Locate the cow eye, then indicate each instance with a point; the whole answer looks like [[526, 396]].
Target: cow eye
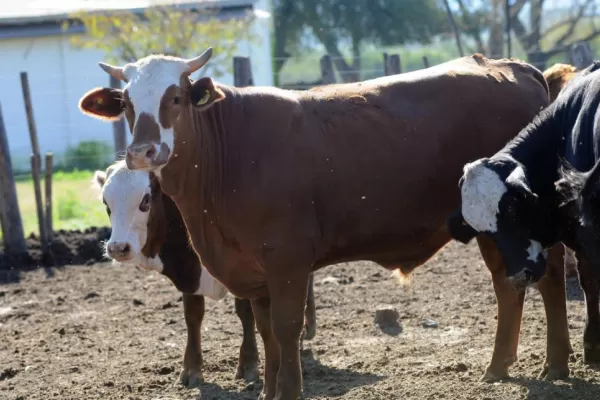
[[107, 207], [176, 100], [145, 203]]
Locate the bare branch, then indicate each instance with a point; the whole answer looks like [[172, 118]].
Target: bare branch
[[582, 8]]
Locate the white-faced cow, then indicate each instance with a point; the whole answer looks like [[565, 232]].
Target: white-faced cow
[[531, 194], [148, 232], [275, 184]]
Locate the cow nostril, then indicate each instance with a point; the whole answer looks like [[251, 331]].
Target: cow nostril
[[151, 152], [126, 248]]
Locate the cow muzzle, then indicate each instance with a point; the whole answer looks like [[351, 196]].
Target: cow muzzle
[[119, 251], [146, 156]]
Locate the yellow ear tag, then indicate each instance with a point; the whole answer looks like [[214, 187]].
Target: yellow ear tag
[[99, 100], [204, 98]]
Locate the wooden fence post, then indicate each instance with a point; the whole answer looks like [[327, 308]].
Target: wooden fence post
[[242, 72], [48, 189], [327, 72], [391, 64], [119, 132], [35, 161], [581, 55], [425, 61], [10, 216]]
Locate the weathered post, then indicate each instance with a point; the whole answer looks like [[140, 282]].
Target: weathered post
[[391, 64], [10, 216], [119, 132], [581, 55], [35, 161], [48, 189], [242, 72], [327, 72], [425, 61]]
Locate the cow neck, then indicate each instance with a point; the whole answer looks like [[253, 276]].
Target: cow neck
[[537, 148], [194, 178]]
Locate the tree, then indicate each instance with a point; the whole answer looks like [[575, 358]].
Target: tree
[[562, 33], [127, 36], [341, 23], [538, 40]]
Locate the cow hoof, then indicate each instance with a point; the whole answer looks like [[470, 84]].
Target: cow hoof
[[591, 353], [310, 330], [248, 372], [550, 373], [191, 379], [490, 376]]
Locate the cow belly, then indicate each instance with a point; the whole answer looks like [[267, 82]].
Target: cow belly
[[244, 279]]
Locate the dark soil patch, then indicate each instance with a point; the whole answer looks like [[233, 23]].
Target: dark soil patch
[[67, 248]]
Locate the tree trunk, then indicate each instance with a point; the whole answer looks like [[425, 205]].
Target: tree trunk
[[496, 39]]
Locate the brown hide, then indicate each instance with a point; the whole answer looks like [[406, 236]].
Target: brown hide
[[269, 180], [557, 77]]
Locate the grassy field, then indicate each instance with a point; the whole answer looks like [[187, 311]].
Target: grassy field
[[76, 204]]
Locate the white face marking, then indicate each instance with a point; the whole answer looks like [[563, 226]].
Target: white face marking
[[210, 287], [481, 192], [148, 79], [123, 191], [534, 250]]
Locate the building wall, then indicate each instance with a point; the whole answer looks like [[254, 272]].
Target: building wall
[[59, 75]]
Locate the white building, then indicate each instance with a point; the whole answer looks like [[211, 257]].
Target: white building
[[31, 40]]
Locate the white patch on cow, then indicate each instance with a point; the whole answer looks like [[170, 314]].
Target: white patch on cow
[[123, 191], [481, 191], [148, 79], [535, 249], [210, 287]]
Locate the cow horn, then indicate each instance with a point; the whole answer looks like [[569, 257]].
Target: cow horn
[[115, 72], [591, 180], [195, 64]]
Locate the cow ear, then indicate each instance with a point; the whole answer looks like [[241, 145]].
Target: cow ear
[[204, 93], [103, 103], [459, 229], [99, 178], [518, 181]]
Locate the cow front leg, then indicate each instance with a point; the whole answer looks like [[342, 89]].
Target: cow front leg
[[509, 312], [193, 309], [552, 289], [588, 280], [288, 293], [310, 315], [262, 315], [248, 360]]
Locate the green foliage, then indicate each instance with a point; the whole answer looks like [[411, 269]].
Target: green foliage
[[88, 155], [126, 36], [339, 24], [68, 206]]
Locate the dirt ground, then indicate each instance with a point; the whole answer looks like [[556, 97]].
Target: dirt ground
[[106, 332]]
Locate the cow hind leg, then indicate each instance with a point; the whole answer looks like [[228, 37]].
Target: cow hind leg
[[248, 360], [509, 312], [552, 289], [193, 308], [262, 314], [310, 315], [588, 280]]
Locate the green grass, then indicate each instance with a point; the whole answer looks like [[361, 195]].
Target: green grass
[[76, 204]]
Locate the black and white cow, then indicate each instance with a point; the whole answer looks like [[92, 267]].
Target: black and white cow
[[531, 194], [148, 232]]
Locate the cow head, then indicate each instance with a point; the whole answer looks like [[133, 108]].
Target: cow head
[[157, 93], [579, 193], [133, 203], [497, 201]]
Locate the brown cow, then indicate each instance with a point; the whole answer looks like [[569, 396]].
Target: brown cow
[[275, 184], [148, 231]]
